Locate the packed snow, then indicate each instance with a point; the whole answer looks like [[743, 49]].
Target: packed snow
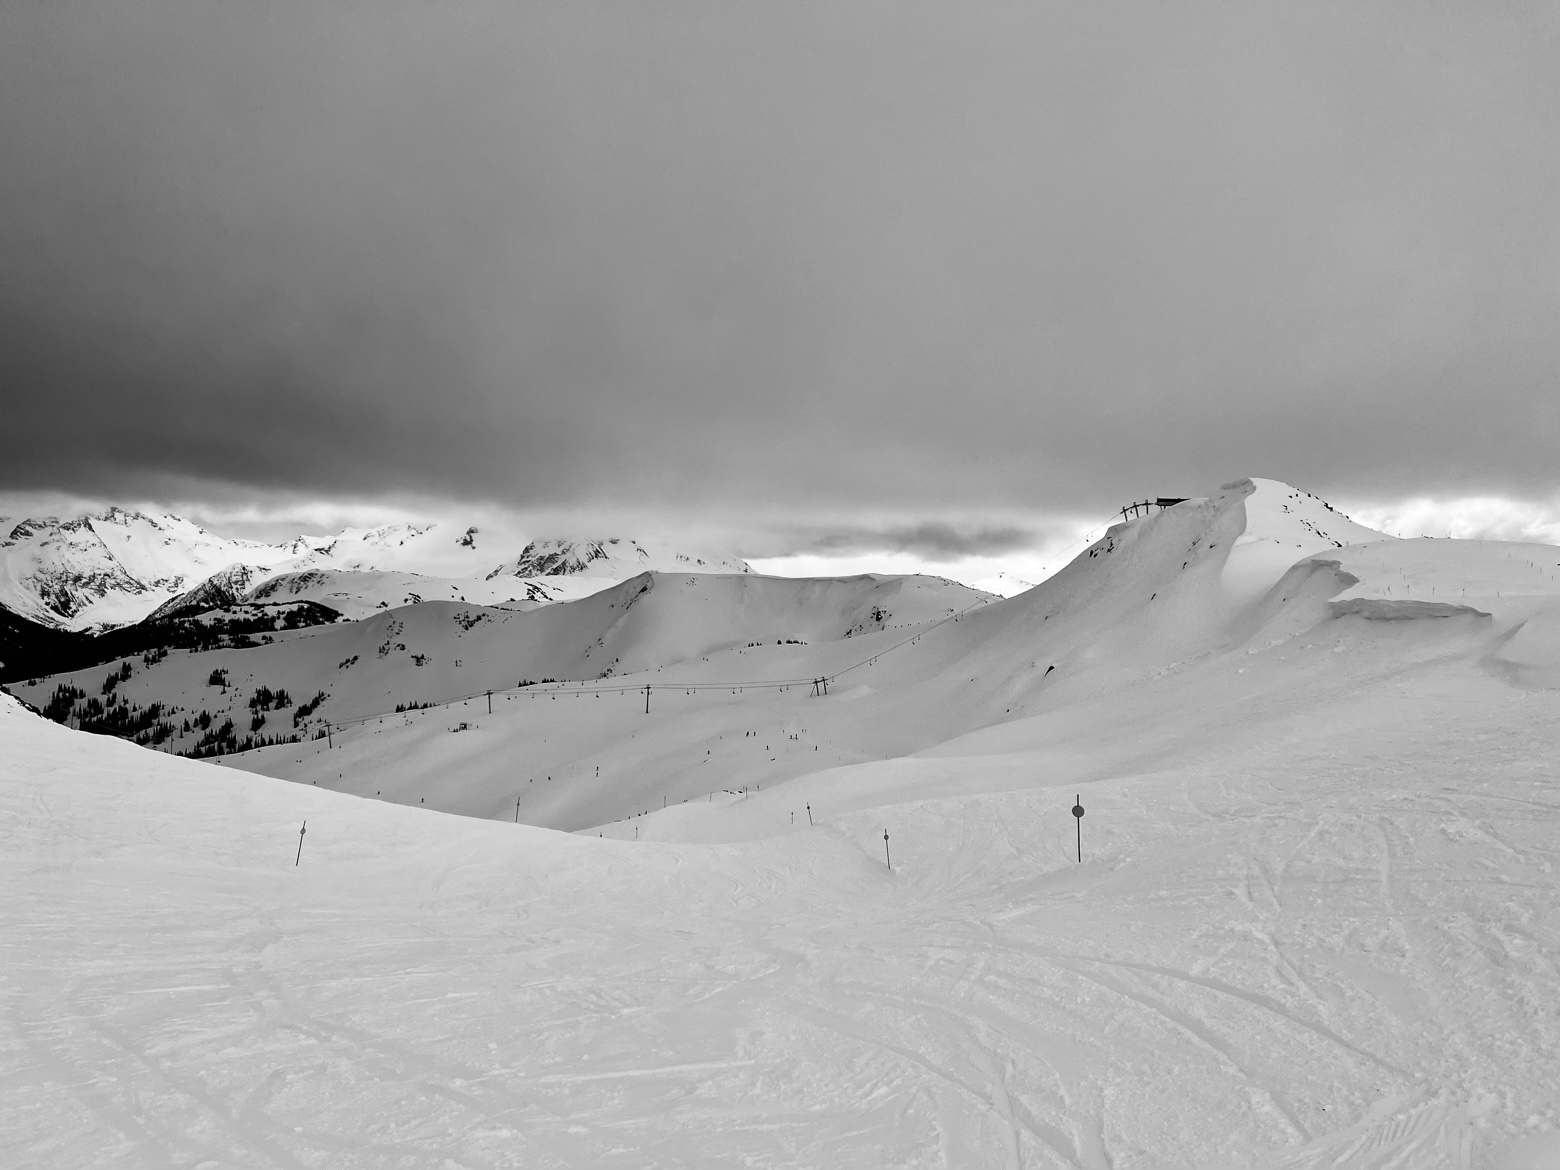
[[1314, 925]]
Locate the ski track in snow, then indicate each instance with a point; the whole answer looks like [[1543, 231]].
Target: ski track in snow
[[787, 1003]]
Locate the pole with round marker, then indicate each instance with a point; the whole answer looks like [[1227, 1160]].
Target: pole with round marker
[[886, 856], [301, 832], [1077, 812]]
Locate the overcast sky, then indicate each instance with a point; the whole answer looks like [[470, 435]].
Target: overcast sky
[[868, 276]]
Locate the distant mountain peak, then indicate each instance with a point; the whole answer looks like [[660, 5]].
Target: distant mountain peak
[[223, 588], [614, 556], [118, 565]]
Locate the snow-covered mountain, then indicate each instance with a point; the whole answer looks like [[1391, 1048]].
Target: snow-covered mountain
[[223, 588], [428, 652], [360, 592], [110, 568], [615, 558], [1308, 923]]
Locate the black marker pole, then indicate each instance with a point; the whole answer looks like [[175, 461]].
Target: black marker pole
[[1077, 811], [809, 812], [301, 832], [886, 856]]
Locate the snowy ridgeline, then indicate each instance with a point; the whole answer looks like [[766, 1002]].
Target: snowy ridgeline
[[1314, 924], [117, 567], [242, 676]]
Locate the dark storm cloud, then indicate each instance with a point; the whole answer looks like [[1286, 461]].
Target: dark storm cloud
[[821, 254], [933, 540]]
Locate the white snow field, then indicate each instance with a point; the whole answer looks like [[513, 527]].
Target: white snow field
[[1316, 923]]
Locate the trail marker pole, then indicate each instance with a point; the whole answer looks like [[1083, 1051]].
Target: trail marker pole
[[1077, 812], [647, 698], [886, 856], [517, 810], [809, 813], [490, 702], [329, 742], [301, 832]]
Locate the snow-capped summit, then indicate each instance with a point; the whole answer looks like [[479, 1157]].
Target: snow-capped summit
[[114, 567], [111, 567], [223, 588], [615, 557]]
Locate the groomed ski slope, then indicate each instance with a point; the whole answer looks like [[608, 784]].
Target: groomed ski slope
[[1316, 923]]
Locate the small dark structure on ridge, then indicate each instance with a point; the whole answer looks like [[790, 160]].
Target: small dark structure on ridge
[[1142, 507]]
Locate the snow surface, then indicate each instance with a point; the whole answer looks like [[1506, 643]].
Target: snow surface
[[1316, 922]]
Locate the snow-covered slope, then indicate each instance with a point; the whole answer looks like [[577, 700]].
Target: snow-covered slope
[[1137, 618], [359, 593], [116, 567], [436, 650], [1313, 926]]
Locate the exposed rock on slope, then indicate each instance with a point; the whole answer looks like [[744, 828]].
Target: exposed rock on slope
[[224, 588], [614, 557], [117, 567]]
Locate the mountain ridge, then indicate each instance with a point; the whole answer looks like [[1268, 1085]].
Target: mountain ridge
[[117, 566]]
